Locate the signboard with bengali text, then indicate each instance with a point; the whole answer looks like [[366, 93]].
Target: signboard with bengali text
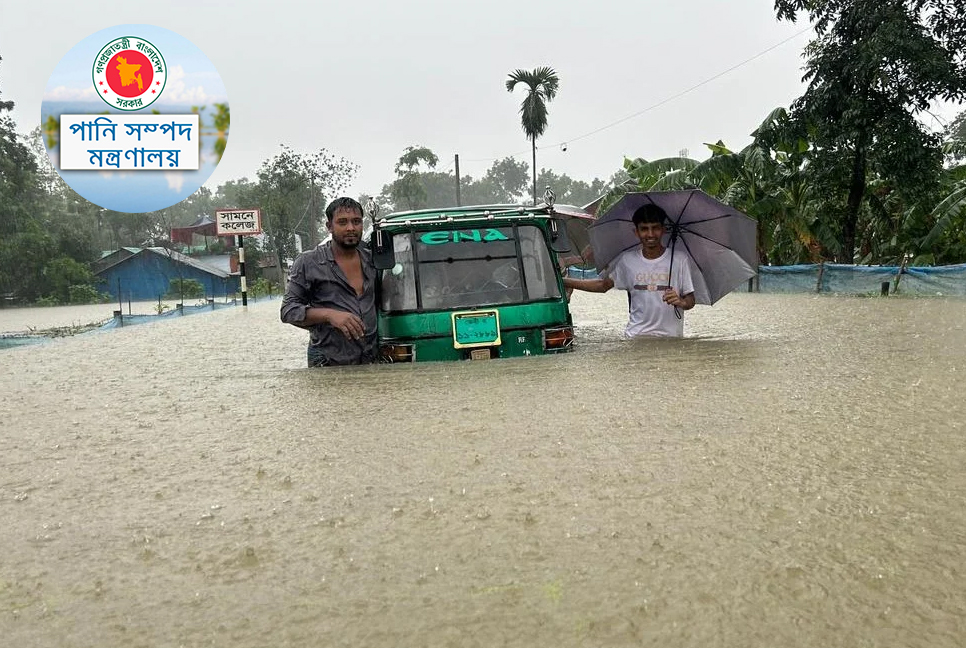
[[129, 142], [238, 222]]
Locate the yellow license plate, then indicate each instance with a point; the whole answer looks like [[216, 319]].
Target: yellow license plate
[[476, 329]]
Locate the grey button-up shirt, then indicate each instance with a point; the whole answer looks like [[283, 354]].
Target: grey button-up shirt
[[316, 281]]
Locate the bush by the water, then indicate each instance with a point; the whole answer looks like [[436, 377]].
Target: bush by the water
[[86, 294], [77, 295], [263, 287], [186, 288]]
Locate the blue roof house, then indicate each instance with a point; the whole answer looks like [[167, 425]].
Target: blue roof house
[[142, 274]]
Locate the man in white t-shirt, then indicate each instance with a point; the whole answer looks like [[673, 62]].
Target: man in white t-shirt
[[656, 298]]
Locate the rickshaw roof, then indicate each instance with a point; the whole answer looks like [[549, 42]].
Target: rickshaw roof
[[472, 212]]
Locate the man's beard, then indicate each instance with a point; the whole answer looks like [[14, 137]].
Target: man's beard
[[347, 246]]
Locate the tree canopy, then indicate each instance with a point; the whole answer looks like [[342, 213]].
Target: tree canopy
[[874, 67]]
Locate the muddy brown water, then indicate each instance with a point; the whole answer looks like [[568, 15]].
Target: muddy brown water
[[790, 474]]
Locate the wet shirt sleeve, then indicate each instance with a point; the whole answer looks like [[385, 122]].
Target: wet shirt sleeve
[[617, 273], [315, 281], [297, 294]]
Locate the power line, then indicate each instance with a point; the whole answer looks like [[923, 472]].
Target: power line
[[663, 101]]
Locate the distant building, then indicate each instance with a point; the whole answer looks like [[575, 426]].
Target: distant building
[[111, 257], [198, 233], [142, 274]]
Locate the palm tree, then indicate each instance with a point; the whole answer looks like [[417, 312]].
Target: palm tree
[[543, 84]]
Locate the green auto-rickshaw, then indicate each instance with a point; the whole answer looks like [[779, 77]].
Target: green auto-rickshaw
[[471, 283]]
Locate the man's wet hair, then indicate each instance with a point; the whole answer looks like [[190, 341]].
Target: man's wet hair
[[649, 213], [342, 203]]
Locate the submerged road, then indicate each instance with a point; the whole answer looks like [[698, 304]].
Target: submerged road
[[791, 474]]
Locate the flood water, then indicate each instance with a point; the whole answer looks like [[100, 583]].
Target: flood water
[[791, 474]]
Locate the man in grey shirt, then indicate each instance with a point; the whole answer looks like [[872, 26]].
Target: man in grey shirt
[[331, 292]]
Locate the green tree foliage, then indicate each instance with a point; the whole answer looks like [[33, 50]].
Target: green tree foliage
[[438, 189], [40, 220], [570, 191], [222, 118], [646, 175], [777, 179], [874, 66], [51, 130], [769, 180], [408, 189], [945, 242], [291, 191], [507, 179], [64, 274], [201, 203], [236, 194], [86, 294], [222, 121], [505, 182], [50, 236], [414, 156], [264, 288], [20, 191], [197, 110], [955, 144], [128, 230], [542, 84]]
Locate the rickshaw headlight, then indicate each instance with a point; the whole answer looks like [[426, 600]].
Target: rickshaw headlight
[[558, 338], [393, 352]]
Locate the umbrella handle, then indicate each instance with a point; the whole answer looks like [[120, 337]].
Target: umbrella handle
[[670, 266]]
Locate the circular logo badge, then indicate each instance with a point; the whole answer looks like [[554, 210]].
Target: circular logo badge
[[129, 73], [164, 127]]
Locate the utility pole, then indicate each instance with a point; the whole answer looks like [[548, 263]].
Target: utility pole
[[241, 269], [313, 221], [458, 201]]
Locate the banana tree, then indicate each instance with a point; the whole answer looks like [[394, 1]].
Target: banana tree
[[770, 180], [744, 180], [664, 174], [946, 239]]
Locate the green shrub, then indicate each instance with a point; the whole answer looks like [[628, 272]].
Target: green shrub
[[85, 294], [187, 288], [62, 274], [263, 287]]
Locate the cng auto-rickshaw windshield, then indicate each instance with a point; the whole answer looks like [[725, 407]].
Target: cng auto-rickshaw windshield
[[465, 268]]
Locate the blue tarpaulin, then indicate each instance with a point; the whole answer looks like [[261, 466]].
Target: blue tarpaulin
[[843, 279]]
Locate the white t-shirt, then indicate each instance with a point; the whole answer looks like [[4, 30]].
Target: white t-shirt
[[645, 280]]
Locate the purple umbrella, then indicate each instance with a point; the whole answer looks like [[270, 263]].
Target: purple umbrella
[[577, 221], [719, 240]]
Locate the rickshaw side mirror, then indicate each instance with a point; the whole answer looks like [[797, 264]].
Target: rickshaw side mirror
[[559, 240], [383, 253]]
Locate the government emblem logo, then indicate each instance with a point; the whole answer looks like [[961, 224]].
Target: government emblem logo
[[129, 73]]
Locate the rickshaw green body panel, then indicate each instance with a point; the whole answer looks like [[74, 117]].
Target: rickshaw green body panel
[[521, 328], [440, 266]]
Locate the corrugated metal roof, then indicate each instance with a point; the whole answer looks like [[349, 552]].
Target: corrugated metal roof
[[187, 260], [107, 253], [218, 261], [174, 256]]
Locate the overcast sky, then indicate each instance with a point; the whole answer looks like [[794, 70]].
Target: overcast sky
[[366, 79]]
